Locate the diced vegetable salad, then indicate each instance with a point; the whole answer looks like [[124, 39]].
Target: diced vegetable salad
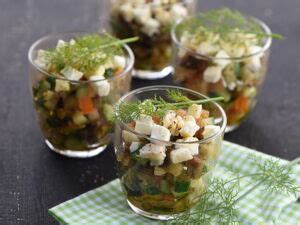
[[221, 53], [163, 167], [75, 85], [151, 22]]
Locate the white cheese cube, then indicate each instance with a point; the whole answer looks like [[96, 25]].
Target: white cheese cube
[[194, 148], [195, 111], [60, 44], [100, 71], [189, 118], [129, 137], [173, 122], [144, 125], [62, 85], [210, 130], [164, 17], [102, 86], [178, 11], [212, 74], [222, 61], [134, 146], [120, 61], [155, 153], [71, 73], [206, 48], [160, 133], [189, 129], [180, 155], [151, 27], [127, 11], [142, 13]]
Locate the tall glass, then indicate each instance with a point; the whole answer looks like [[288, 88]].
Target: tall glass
[[151, 22], [66, 129], [164, 191], [239, 83]]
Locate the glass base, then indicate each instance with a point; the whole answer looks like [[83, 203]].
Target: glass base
[[77, 153], [230, 128], [150, 215], [153, 75]]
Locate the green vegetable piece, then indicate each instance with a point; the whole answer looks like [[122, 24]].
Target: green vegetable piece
[[152, 190], [44, 86], [182, 186], [51, 81], [74, 143], [237, 69], [109, 72], [82, 91], [165, 187], [109, 112]]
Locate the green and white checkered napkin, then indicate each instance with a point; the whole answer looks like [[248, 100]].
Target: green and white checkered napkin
[[107, 205]]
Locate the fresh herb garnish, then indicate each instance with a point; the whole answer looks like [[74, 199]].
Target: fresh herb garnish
[[224, 22], [87, 52], [217, 205], [130, 111]]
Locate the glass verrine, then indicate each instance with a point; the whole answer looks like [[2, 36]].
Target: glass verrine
[[74, 109], [151, 21], [235, 70], [163, 178]]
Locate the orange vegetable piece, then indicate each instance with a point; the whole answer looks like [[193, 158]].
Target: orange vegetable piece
[[241, 104], [86, 104]]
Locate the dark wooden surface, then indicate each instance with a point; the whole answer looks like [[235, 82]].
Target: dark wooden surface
[[33, 179]]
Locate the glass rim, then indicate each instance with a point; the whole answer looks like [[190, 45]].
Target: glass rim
[[265, 47], [168, 143], [32, 48]]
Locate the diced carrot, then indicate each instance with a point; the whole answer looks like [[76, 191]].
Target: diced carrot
[[241, 104], [85, 104], [156, 119], [118, 70]]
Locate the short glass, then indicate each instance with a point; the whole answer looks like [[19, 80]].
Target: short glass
[[151, 23], [67, 132], [177, 190], [240, 96]]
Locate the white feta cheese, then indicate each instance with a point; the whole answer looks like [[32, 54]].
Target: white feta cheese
[[180, 155], [134, 146], [164, 17], [212, 74], [189, 118], [144, 125], [102, 86], [120, 61], [178, 11], [234, 50], [60, 44], [195, 111], [71, 73], [173, 122], [62, 85], [129, 137], [155, 153], [221, 59], [160, 133], [127, 11], [151, 27], [254, 61], [194, 148], [189, 129], [206, 48], [210, 130], [72, 42], [142, 13]]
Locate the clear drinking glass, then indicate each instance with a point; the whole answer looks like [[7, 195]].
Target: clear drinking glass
[[239, 84], [176, 189], [66, 130], [151, 22]]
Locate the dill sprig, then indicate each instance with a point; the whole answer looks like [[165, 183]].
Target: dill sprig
[[224, 22], [87, 53], [129, 111], [218, 204]]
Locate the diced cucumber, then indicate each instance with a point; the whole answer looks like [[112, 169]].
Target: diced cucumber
[[79, 119], [237, 69], [151, 190], [165, 187], [182, 186], [249, 92], [51, 81], [108, 112]]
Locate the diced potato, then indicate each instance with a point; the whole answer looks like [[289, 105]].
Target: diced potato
[[129, 137], [222, 61], [102, 86], [210, 130], [178, 11], [71, 73], [180, 155], [159, 171], [156, 153], [175, 169], [79, 119], [189, 129], [62, 85], [194, 148], [212, 74], [120, 61], [206, 48], [160, 133], [173, 122], [144, 125], [195, 110]]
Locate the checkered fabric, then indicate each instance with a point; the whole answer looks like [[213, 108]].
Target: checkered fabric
[[107, 205]]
